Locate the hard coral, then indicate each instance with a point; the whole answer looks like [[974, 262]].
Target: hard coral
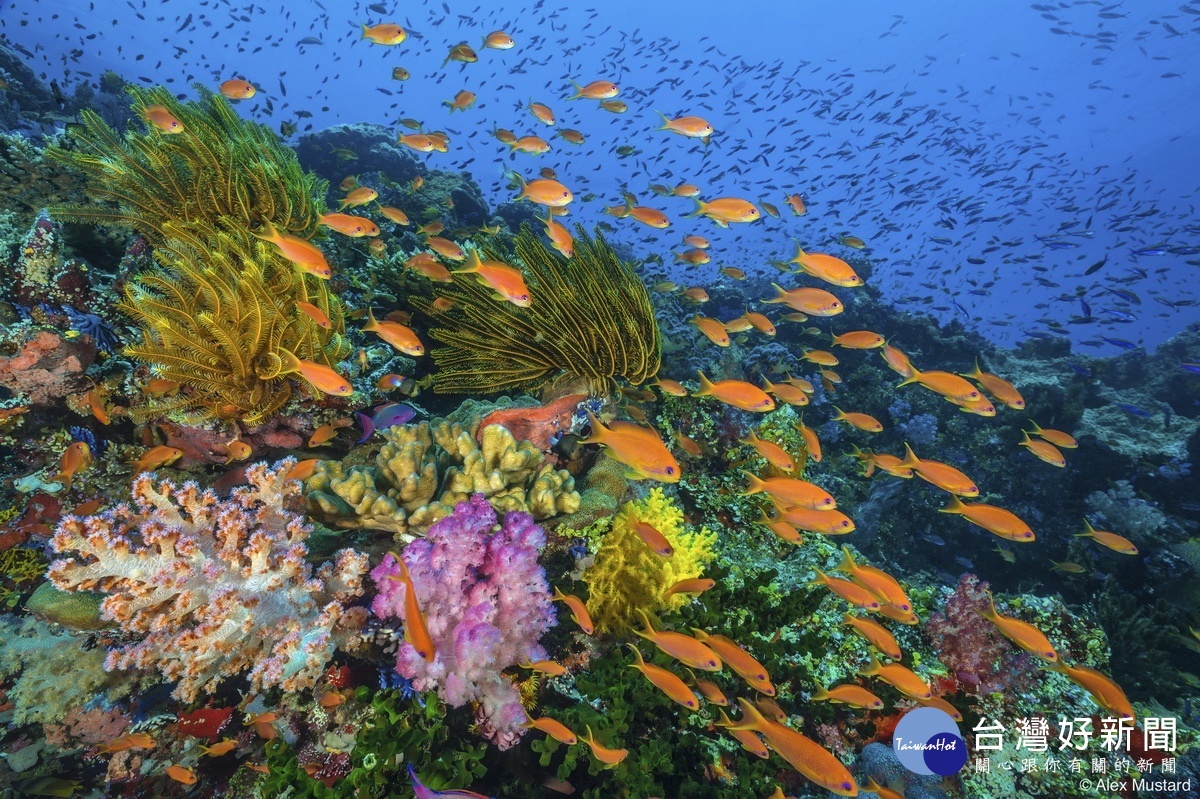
[[486, 603], [42, 272], [209, 588], [423, 470], [628, 576]]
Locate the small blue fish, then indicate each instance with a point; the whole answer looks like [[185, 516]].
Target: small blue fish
[[1133, 409], [1119, 342], [1194, 368], [424, 792]]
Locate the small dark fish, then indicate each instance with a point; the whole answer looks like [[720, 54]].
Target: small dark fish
[[934, 538], [1119, 342], [1079, 369], [1194, 368], [310, 40], [1096, 267]]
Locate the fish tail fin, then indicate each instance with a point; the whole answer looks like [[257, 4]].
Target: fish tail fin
[[266, 231], [723, 720], [1037, 430], [665, 121], [365, 30], [840, 414], [954, 506], [706, 386], [578, 91], [752, 719], [974, 374], [637, 653], [820, 579], [911, 460], [821, 695], [1088, 530], [756, 486], [559, 596], [291, 363], [780, 294], [872, 668], [697, 210], [372, 323], [989, 612], [912, 378], [699, 634], [847, 565]]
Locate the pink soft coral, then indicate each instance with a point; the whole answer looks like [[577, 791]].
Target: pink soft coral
[[486, 603], [982, 659]]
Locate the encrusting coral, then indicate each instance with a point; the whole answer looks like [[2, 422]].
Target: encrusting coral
[[486, 604], [628, 576], [590, 317], [206, 588], [424, 470]]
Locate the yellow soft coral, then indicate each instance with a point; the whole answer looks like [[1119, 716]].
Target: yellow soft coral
[[627, 576]]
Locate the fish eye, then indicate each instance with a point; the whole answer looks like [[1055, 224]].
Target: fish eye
[[670, 470]]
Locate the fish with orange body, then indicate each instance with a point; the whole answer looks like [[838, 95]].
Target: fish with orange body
[[386, 33], [748, 739], [316, 374], [611, 758], [238, 89], [826, 522], [640, 449], [738, 393], [771, 452], [854, 594], [849, 694], [738, 659], [664, 680], [349, 224], [877, 581], [861, 421], [899, 677], [690, 585], [791, 492], [811, 301], [132, 740], [939, 474], [684, 648], [182, 774], [1102, 688], [1021, 633], [156, 457], [1117, 543], [948, 385], [876, 635], [579, 611], [998, 387], [829, 268], [301, 252], [1044, 450], [997, 521], [713, 330], [726, 210], [75, 458], [693, 127], [555, 729], [416, 631], [803, 754], [162, 119], [1056, 437]]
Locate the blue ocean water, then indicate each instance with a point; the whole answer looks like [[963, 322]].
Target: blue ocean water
[[1025, 168]]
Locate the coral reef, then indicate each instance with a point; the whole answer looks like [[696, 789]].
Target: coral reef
[[43, 366], [628, 576], [486, 604], [590, 320], [209, 588], [422, 471], [42, 273]]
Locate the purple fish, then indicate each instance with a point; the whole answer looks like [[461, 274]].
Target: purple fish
[[424, 792], [386, 415]]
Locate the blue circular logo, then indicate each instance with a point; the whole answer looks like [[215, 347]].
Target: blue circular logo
[[927, 741]]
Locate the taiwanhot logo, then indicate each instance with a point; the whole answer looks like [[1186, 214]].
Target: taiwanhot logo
[[927, 741]]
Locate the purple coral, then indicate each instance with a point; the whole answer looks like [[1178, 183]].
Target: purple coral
[[486, 603], [983, 660]]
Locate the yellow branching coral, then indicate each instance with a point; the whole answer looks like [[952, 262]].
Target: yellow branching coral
[[220, 167], [627, 575], [590, 318], [215, 316]]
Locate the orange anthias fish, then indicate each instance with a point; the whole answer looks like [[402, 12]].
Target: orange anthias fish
[[644, 454], [999, 521], [360, 196], [349, 225], [314, 313], [684, 648], [738, 659], [1117, 543], [811, 442], [876, 634], [853, 695], [394, 214], [652, 538], [1044, 450], [225, 746], [789, 492], [877, 581], [560, 237], [155, 457], [861, 421], [133, 740], [948, 385], [505, 280], [546, 192], [826, 522], [399, 336], [301, 252], [550, 667], [417, 141], [1021, 633], [238, 89], [1056, 437], [897, 361], [665, 681], [386, 33], [430, 267], [596, 90], [738, 393], [899, 677], [555, 729], [499, 40], [303, 469], [416, 632], [830, 268], [771, 452], [944, 477], [318, 375], [1106, 692], [238, 451], [693, 127], [76, 458], [579, 611], [803, 754], [815, 302], [713, 330], [854, 594], [651, 217], [542, 112], [691, 585], [725, 210], [998, 387], [182, 774], [749, 740], [163, 120], [797, 204], [859, 340], [611, 758]]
